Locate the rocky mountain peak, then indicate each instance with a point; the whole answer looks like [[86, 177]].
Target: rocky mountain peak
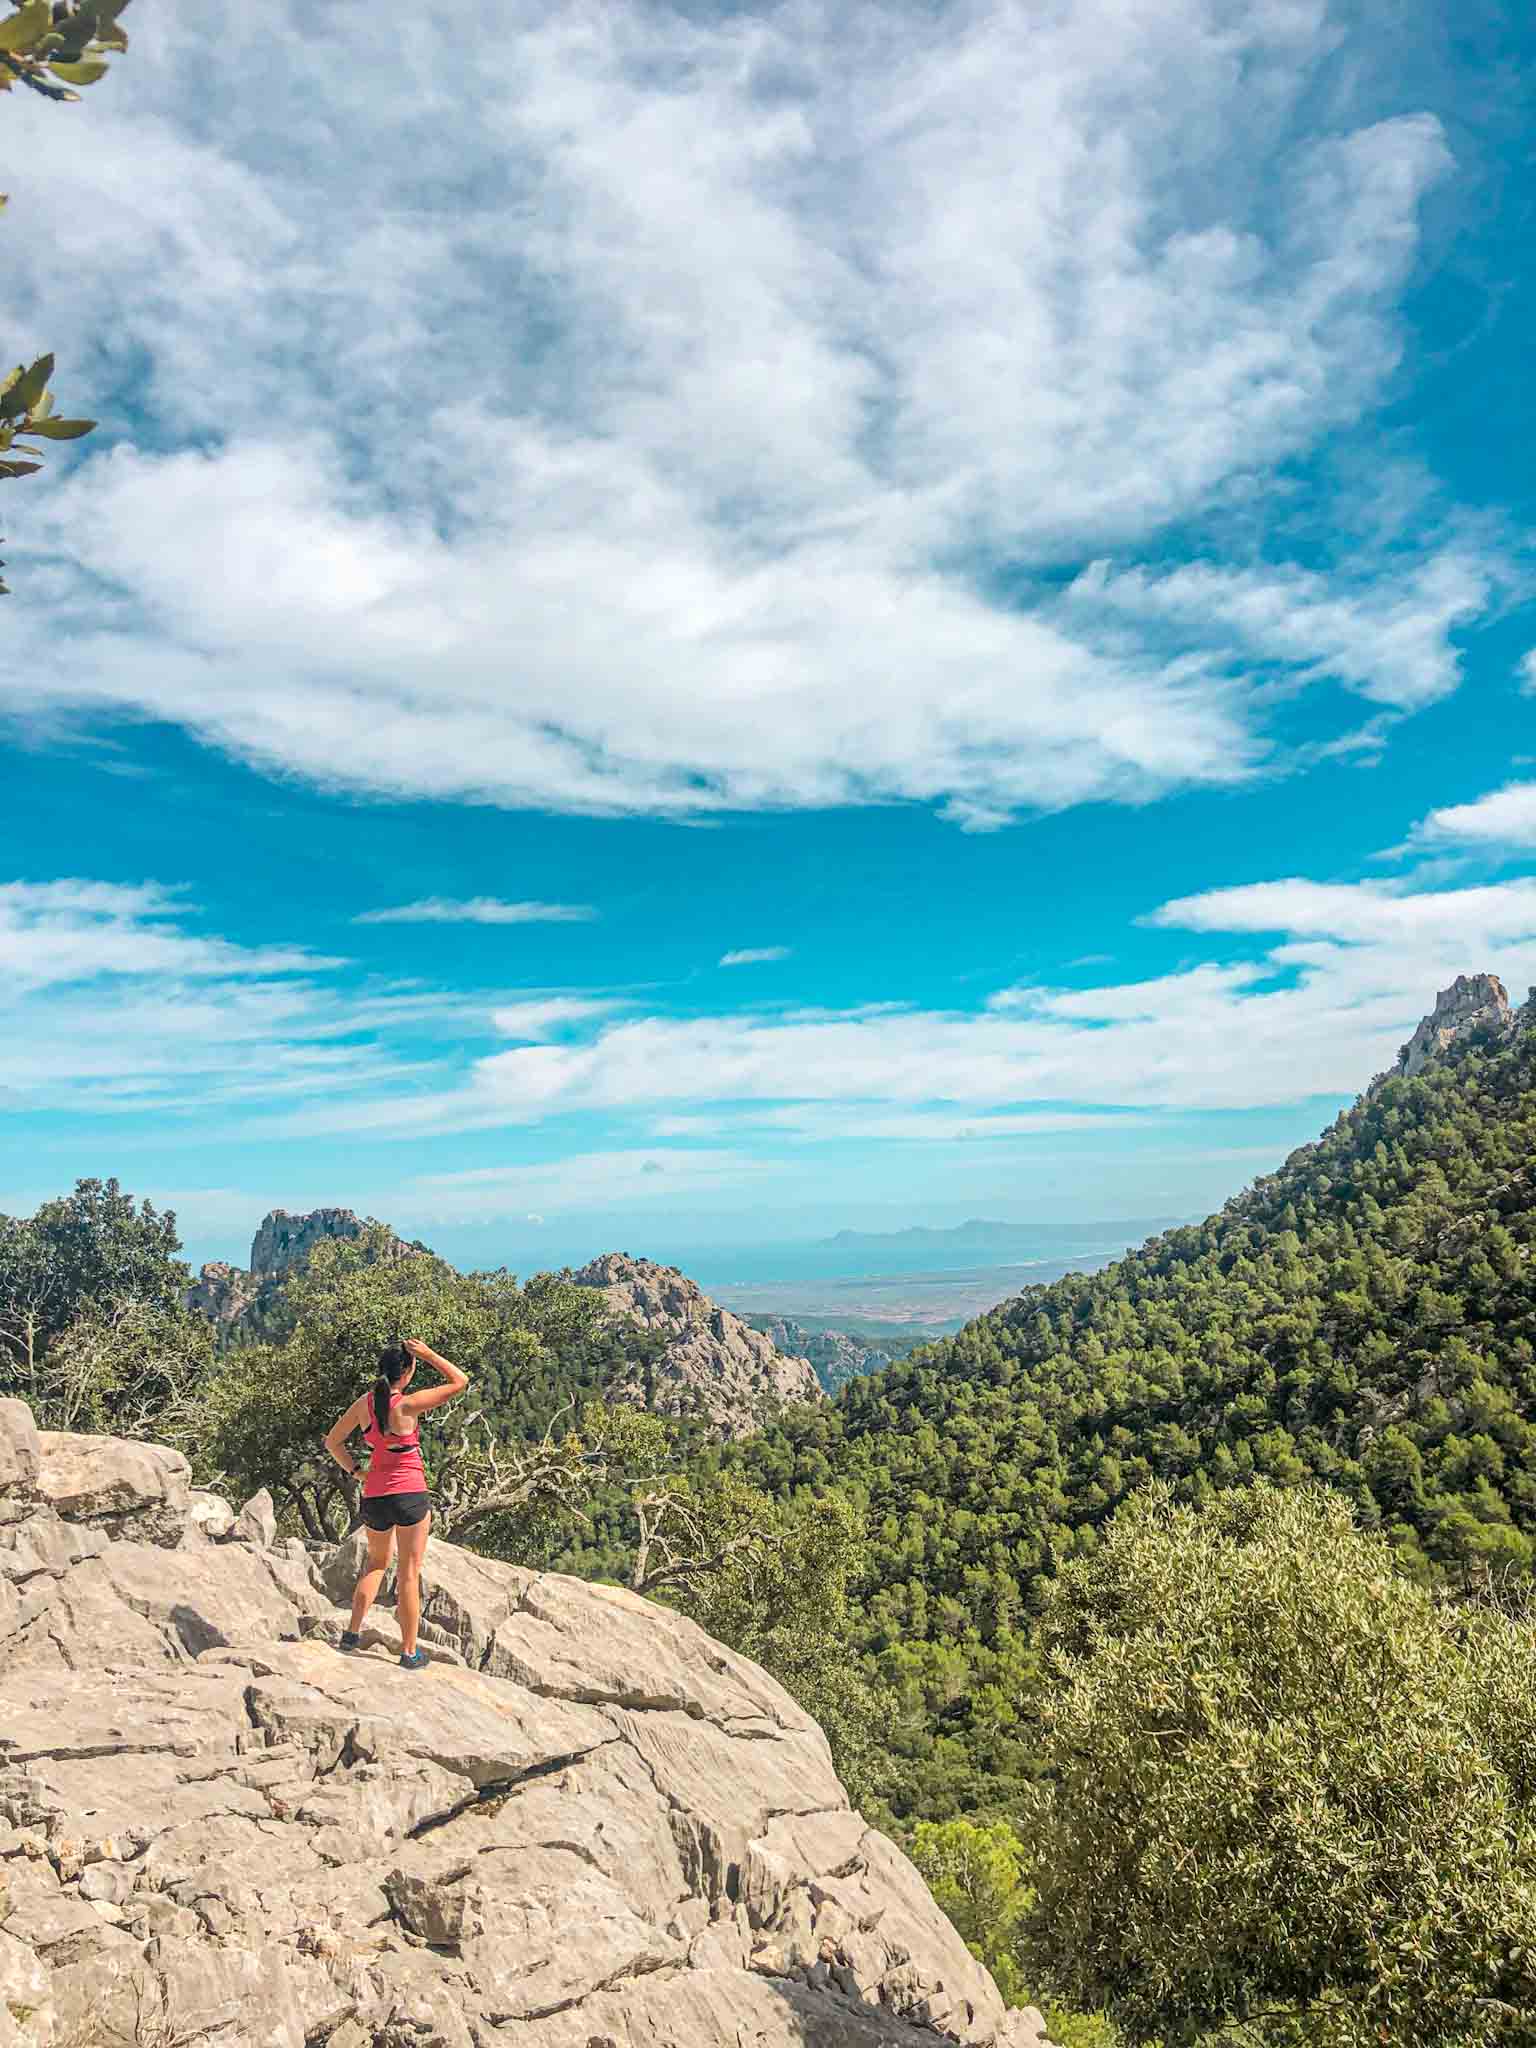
[[1472, 1002], [585, 1822], [284, 1239], [714, 1363]]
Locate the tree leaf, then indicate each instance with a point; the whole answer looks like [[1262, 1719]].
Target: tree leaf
[[59, 430], [85, 73], [23, 28], [18, 468], [25, 389]]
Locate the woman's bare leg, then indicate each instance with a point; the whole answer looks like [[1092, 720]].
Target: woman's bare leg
[[412, 1548], [381, 1545]]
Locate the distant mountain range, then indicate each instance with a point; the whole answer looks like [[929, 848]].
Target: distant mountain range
[[980, 1234]]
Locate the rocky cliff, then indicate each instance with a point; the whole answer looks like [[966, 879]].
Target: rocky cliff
[[714, 1363], [1473, 1002], [836, 1356], [586, 1825], [229, 1294]]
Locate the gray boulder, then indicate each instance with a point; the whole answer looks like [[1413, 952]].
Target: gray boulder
[[125, 1489], [210, 1515], [256, 1522], [585, 1823]]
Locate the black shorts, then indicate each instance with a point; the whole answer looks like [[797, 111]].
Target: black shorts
[[395, 1510]]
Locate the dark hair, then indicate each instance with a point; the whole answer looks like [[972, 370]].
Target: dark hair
[[394, 1362]]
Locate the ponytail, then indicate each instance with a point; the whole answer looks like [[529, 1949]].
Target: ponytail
[[394, 1361]]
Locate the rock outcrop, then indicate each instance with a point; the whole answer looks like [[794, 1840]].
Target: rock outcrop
[[586, 1825], [836, 1356], [1473, 1002], [714, 1364], [223, 1293], [229, 1295], [284, 1240]]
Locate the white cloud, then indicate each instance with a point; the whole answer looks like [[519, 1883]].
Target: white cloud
[[1317, 1013], [110, 1004], [57, 933], [753, 956], [1527, 670], [1363, 913], [581, 1180], [823, 1123], [1388, 640], [544, 1017], [478, 910], [1314, 988], [646, 449], [1504, 820]]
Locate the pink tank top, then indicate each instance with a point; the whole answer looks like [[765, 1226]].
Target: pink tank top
[[394, 1464]]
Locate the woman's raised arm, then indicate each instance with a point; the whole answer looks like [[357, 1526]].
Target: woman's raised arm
[[454, 1381]]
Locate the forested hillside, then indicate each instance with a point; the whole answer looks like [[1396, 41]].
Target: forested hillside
[[1365, 1316]]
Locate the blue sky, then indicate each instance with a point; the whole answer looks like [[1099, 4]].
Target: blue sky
[[1017, 521]]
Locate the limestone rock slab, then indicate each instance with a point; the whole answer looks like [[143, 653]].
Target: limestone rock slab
[[107, 1483], [585, 1823]]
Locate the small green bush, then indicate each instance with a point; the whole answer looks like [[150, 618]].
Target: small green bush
[[1289, 1794], [975, 1871]]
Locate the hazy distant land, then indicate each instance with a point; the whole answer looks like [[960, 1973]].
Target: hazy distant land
[[914, 1283]]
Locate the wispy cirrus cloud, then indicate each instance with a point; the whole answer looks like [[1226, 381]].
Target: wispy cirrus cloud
[[753, 956], [734, 356], [648, 1175], [544, 1017], [112, 1002], [1388, 638], [478, 910], [61, 932], [296, 1046]]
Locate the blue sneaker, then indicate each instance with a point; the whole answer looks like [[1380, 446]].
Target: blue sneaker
[[418, 1660], [350, 1640]]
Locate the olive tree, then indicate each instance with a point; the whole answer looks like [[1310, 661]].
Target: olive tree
[[1288, 1795], [91, 1295], [123, 1367], [775, 1580]]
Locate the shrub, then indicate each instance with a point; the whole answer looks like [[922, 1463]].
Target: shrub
[[1288, 1791]]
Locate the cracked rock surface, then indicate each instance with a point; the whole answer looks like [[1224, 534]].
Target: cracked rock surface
[[585, 1825]]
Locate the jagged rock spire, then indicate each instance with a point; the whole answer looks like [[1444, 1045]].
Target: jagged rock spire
[[1471, 1002]]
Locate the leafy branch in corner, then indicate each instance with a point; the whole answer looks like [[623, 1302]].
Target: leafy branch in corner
[[26, 409], [50, 49], [53, 48]]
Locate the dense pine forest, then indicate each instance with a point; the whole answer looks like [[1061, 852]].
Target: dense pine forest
[[1365, 1317]]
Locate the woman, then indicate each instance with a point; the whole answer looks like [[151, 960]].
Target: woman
[[397, 1509]]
